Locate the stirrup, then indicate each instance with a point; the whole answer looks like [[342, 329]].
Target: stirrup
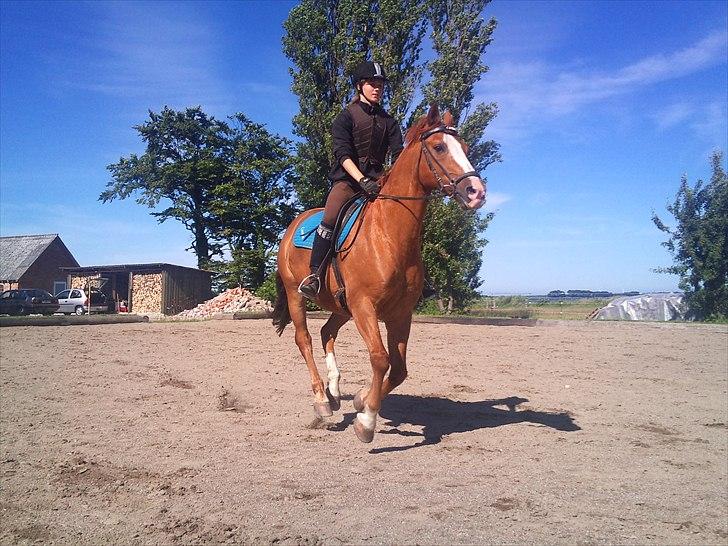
[[310, 286]]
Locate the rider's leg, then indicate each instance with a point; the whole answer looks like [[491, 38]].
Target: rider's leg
[[339, 194]]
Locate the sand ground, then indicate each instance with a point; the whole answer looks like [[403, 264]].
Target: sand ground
[[203, 432]]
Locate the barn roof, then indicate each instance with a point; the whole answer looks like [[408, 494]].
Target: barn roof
[[18, 252]]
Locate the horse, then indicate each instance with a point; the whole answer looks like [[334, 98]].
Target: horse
[[382, 269]]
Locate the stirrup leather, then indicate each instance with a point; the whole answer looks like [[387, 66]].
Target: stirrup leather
[[310, 286]]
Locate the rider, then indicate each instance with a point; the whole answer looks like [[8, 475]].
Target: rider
[[362, 133]]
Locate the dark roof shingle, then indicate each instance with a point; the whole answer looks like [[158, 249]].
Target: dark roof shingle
[[17, 254]]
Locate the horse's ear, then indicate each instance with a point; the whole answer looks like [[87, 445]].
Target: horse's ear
[[433, 116], [447, 119]]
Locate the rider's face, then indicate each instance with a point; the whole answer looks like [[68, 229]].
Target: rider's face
[[372, 90]]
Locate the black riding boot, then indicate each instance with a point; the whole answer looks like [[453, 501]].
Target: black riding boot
[[311, 285]]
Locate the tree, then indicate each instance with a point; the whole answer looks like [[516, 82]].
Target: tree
[[227, 183], [252, 205], [183, 162], [453, 244], [453, 255], [699, 242], [325, 40]]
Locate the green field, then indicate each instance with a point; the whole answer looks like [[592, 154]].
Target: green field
[[523, 307]]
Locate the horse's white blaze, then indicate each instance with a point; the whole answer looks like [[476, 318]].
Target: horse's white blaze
[[457, 153], [334, 374], [368, 418]]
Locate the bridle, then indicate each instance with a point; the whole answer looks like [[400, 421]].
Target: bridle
[[449, 189]]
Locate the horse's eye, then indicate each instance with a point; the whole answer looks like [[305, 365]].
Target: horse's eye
[[439, 148]]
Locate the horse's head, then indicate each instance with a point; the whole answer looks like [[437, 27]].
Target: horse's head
[[446, 167]]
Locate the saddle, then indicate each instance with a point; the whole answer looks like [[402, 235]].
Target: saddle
[[304, 236]]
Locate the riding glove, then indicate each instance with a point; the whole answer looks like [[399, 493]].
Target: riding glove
[[369, 185]]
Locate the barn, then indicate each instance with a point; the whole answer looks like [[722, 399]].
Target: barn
[[146, 288], [34, 261]]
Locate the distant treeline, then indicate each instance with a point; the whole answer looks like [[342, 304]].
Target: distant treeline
[[587, 294]]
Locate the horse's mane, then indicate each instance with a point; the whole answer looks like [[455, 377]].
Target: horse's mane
[[419, 127], [413, 135]]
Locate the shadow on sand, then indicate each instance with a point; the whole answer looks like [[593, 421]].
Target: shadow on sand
[[439, 417]]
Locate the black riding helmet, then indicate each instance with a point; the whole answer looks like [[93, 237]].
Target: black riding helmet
[[366, 71]]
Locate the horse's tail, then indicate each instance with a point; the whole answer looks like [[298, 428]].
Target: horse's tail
[[281, 313]]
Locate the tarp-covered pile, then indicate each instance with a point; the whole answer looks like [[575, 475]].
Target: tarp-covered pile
[[658, 307], [230, 301]]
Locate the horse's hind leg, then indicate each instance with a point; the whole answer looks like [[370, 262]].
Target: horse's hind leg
[[297, 309], [329, 331]]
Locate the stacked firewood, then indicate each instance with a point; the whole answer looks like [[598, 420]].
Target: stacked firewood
[[230, 301], [147, 292]]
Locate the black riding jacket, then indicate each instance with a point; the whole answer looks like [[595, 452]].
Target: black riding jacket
[[364, 133]]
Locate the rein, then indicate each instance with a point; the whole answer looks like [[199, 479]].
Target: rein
[[430, 158]]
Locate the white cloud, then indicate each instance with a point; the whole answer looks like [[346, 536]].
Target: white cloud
[[495, 200], [529, 92], [673, 115]]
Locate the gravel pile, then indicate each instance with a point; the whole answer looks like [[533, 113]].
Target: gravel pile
[[230, 301]]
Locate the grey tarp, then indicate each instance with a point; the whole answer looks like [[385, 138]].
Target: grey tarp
[[663, 307]]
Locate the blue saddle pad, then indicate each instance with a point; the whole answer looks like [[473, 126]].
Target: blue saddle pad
[[303, 238]]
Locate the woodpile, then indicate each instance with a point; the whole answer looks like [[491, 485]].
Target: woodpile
[[230, 301], [146, 293], [81, 281]]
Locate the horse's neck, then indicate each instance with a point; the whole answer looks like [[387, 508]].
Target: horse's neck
[[400, 221]]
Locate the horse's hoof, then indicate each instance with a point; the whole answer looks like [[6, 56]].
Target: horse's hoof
[[359, 400], [334, 401], [322, 409], [364, 434]]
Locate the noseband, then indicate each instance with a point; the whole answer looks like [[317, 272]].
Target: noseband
[[449, 189], [430, 158]]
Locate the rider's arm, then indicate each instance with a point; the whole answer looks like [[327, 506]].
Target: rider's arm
[[394, 135], [351, 168]]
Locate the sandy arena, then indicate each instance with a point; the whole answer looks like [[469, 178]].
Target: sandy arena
[[203, 432]]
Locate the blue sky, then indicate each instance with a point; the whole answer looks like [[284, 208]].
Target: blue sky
[[603, 106]]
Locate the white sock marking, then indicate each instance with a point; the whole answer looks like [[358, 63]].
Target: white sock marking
[[368, 418], [333, 375]]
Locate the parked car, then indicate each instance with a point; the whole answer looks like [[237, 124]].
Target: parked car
[[26, 301], [76, 301]]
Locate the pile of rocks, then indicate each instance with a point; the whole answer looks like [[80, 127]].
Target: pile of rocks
[[230, 301]]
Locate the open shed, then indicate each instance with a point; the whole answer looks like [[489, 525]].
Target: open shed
[[146, 288]]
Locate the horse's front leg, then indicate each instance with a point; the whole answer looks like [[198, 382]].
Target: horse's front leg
[[366, 419], [397, 337], [329, 331]]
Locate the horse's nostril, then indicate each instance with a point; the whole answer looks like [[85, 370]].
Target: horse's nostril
[[472, 190]]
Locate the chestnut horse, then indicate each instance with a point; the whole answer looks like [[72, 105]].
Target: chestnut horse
[[382, 269]]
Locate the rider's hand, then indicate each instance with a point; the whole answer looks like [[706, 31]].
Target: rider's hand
[[369, 185]]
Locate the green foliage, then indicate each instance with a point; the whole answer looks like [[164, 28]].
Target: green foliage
[[252, 206], [451, 252], [699, 243], [227, 183], [325, 40], [182, 164], [453, 243], [267, 289]]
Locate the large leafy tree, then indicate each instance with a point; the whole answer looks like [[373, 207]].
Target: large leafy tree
[[183, 162], [453, 243], [252, 204], [699, 242], [325, 40], [225, 181]]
